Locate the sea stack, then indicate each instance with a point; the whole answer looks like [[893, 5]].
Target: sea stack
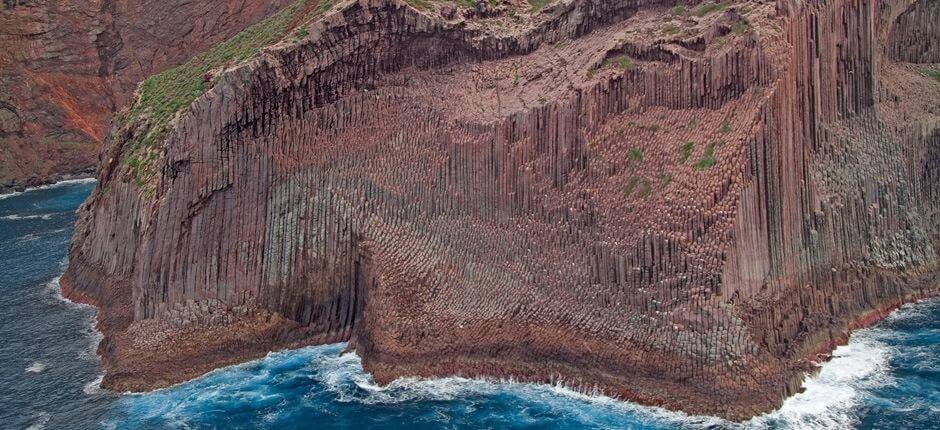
[[685, 204]]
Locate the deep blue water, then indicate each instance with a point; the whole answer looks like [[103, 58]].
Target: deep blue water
[[887, 377]]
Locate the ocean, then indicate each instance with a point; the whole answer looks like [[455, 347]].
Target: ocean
[[887, 377]]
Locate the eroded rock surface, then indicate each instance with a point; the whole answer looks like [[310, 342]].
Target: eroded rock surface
[[684, 208], [66, 66]]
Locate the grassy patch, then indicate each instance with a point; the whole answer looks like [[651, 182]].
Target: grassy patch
[[641, 186], [686, 152], [679, 11], [933, 73], [635, 154], [740, 27], [537, 5], [707, 8], [162, 96], [420, 4], [671, 29], [725, 128], [708, 158], [623, 61]]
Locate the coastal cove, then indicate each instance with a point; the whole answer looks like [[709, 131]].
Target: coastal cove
[[885, 377]]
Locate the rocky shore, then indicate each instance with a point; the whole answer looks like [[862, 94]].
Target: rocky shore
[[686, 205]]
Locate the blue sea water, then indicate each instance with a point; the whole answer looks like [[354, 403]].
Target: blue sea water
[[887, 377]]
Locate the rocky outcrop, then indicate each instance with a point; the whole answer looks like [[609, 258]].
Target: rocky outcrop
[[66, 66], [685, 211]]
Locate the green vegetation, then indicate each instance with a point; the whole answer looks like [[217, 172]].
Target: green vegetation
[[515, 79], [623, 61], [679, 11], [725, 128], [686, 152], [537, 5], [933, 73], [740, 27], [635, 154], [708, 158], [162, 96], [707, 8], [671, 29], [420, 4], [641, 185]]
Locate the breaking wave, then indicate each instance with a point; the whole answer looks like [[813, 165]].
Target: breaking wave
[[40, 421], [324, 384], [48, 186], [832, 398], [90, 332], [36, 367], [15, 217]]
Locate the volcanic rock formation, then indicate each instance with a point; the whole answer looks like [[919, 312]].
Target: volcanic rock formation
[[683, 204], [65, 66]]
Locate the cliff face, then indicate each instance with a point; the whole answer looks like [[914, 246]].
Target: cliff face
[[66, 66], [680, 207]]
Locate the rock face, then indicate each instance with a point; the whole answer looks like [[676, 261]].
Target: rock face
[[66, 66], [680, 207]]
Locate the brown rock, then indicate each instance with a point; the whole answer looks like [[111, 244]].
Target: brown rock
[[680, 219]]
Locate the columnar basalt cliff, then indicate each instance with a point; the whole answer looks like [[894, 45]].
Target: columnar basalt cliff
[[684, 206], [65, 66]]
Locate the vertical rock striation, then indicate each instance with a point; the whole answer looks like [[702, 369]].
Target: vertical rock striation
[[687, 217]]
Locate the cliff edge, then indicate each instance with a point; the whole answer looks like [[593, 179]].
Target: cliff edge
[[684, 204], [66, 66]]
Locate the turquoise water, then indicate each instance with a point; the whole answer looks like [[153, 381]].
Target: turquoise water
[[887, 377]]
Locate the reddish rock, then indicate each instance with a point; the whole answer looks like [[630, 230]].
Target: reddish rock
[[684, 217], [66, 66]]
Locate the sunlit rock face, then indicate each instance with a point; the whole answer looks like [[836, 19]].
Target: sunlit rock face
[[685, 213], [67, 65]]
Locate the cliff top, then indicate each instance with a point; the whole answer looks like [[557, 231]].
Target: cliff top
[[689, 31]]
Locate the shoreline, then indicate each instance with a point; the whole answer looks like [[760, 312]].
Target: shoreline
[[867, 320], [125, 378], [8, 190]]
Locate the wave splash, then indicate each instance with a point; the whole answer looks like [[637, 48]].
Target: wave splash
[[61, 183], [16, 217], [36, 367], [832, 397], [326, 385]]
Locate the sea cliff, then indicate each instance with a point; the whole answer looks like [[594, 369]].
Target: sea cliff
[[683, 205]]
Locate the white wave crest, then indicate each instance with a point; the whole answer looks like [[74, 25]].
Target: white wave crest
[[94, 337], [61, 183], [343, 375], [41, 419], [36, 367], [15, 217], [93, 387], [831, 398]]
